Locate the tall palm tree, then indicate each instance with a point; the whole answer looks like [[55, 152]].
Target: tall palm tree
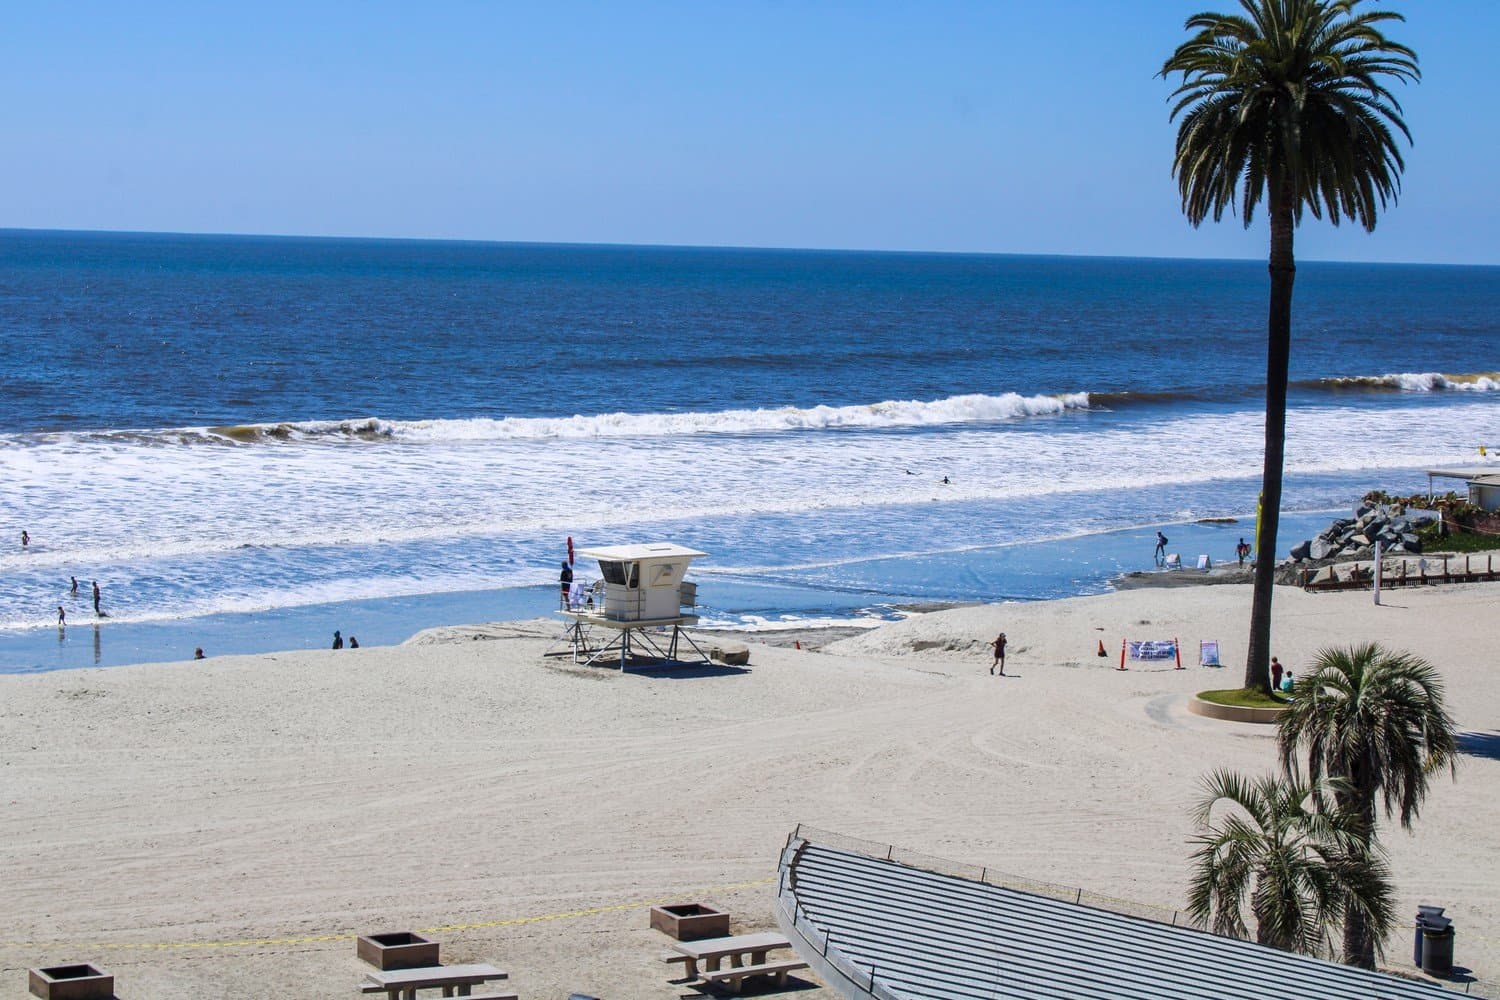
[[1286, 104], [1304, 869], [1374, 720]]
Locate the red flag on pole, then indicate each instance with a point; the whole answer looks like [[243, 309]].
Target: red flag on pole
[[570, 550]]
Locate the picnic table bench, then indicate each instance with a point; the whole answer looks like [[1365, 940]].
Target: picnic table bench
[[402, 984], [735, 977], [746, 953]]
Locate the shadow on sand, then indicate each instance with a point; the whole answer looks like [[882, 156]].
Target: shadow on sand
[[686, 671], [1480, 745]]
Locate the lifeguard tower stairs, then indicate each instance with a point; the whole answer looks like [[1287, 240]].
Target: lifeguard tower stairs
[[636, 610]]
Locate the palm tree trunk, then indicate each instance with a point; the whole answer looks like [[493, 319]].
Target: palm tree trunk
[[1283, 269], [1359, 942]]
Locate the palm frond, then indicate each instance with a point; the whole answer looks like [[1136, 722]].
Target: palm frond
[[1289, 93]]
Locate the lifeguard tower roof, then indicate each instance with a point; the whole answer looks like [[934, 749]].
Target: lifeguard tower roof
[[649, 550]]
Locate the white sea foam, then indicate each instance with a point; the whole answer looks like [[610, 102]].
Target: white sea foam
[[173, 528], [886, 414]]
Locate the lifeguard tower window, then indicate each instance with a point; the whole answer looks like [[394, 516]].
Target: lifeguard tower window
[[623, 574]]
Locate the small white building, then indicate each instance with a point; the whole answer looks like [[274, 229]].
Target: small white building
[[1483, 482], [642, 583]]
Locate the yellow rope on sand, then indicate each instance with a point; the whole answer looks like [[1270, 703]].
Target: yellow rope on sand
[[321, 938]]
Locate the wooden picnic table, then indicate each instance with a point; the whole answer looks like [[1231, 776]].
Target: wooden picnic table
[[402, 984], [713, 951]]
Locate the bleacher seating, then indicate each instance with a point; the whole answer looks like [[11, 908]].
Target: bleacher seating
[[896, 932]]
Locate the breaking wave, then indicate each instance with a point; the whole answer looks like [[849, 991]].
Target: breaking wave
[[975, 408], [1412, 382]]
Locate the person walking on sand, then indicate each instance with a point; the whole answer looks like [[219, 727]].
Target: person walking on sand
[[1276, 669], [338, 640], [999, 645], [1161, 549], [97, 611]]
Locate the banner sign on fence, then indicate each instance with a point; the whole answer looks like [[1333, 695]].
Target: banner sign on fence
[[1153, 649]]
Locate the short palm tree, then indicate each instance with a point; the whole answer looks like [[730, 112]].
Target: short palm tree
[[1286, 104], [1374, 720], [1303, 869]]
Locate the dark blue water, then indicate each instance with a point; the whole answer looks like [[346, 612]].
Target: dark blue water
[[119, 330], [252, 440]]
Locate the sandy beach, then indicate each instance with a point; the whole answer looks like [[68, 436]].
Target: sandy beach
[[224, 828]]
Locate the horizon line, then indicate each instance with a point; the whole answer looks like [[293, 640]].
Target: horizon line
[[710, 246]]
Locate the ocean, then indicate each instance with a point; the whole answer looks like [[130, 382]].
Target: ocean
[[252, 441]]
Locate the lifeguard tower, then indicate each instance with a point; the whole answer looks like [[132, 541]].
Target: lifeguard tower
[[640, 588]]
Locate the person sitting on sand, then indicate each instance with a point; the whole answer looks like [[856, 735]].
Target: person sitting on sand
[[999, 645], [198, 653], [353, 642]]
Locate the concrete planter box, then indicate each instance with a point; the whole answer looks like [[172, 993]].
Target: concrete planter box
[[690, 921], [397, 950], [72, 982], [1234, 713]]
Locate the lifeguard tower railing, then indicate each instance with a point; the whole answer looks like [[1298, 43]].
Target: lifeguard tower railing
[[601, 600]]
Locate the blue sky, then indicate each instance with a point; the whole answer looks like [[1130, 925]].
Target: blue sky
[[1005, 126]]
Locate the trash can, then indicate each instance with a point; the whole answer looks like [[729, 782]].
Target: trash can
[[1437, 946], [1424, 913]]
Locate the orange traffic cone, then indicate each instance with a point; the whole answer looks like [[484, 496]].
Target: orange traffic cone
[[797, 643]]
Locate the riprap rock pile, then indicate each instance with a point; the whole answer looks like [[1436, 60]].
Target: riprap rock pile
[[1393, 526]]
